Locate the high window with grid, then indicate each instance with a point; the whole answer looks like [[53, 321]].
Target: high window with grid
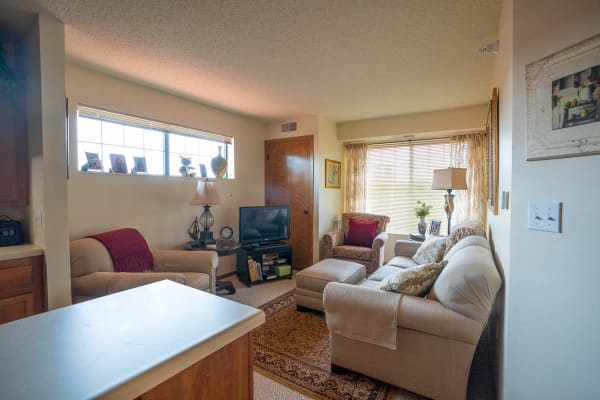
[[119, 143]]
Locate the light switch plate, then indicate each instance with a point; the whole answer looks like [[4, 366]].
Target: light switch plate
[[544, 216]]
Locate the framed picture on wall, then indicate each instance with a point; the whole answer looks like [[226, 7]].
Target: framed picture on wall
[[333, 174], [492, 151], [563, 102]]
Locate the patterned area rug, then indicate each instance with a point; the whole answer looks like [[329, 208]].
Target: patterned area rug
[[293, 348]]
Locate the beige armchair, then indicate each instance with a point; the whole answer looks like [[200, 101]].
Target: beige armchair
[[93, 274], [371, 257]]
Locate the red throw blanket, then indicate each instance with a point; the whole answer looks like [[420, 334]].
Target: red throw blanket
[[128, 249]]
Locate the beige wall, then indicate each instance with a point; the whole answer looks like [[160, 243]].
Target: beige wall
[[158, 206], [330, 200], [552, 318], [427, 124], [44, 42]]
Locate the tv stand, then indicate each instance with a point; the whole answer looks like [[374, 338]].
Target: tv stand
[[264, 262]]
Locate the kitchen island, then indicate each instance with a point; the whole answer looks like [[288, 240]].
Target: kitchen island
[[155, 341]]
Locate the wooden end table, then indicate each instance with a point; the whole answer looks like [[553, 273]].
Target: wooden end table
[[222, 248]]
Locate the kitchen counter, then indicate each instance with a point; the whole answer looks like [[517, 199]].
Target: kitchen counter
[[119, 346], [20, 251]]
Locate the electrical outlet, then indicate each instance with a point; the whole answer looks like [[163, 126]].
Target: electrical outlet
[[544, 216]]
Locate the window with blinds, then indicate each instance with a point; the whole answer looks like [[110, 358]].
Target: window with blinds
[[400, 174], [112, 142]]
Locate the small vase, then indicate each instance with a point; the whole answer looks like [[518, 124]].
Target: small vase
[[219, 165], [422, 225]]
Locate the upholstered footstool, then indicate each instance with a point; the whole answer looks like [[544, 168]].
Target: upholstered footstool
[[311, 281]]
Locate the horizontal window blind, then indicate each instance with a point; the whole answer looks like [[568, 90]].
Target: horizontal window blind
[[93, 112], [399, 174]]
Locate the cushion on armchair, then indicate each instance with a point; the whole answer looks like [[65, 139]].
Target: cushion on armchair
[[361, 233]]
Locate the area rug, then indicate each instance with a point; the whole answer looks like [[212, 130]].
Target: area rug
[[292, 348]]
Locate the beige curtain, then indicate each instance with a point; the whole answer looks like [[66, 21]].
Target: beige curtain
[[355, 159], [470, 151]]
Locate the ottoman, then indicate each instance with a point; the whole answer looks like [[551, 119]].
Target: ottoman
[[311, 281]]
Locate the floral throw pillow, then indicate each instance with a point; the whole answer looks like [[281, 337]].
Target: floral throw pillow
[[431, 250], [462, 230], [415, 281]]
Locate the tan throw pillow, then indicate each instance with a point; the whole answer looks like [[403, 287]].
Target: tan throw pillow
[[431, 250], [463, 230], [415, 281]]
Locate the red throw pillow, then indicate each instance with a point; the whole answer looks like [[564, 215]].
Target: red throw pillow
[[361, 233]]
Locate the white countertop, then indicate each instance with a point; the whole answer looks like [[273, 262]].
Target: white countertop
[[20, 251], [117, 346]]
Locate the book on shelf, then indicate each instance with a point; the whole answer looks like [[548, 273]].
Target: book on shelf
[[253, 270]]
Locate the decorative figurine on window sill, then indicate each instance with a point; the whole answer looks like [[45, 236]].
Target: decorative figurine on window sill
[[186, 167]]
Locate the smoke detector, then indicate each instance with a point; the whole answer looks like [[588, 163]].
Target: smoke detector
[[490, 48]]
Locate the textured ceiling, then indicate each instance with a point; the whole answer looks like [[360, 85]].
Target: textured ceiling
[[274, 59]]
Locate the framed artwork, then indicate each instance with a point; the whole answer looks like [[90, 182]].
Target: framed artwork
[[93, 161], [563, 103], [333, 174], [118, 163], [492, 153], [435, 227]]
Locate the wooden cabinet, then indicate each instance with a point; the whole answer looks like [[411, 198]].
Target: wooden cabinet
[[22, 292], [14, 154], [267, 259]]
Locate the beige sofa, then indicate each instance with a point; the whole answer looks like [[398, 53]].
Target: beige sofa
[[425, 345], [93, 275]]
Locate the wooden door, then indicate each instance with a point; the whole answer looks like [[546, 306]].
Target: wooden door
[[289, 180]]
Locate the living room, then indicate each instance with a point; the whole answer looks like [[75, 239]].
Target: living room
[[547, 330]]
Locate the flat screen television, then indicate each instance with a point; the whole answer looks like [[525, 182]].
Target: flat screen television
[[263, 224]]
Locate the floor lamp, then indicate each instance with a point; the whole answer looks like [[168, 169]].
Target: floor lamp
[[206, 195], [449, 179]]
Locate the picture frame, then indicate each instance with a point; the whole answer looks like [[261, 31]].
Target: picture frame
[[118, 163], [563, 102], [434, 229], [93, 162], [492, 128], [333, 174], [139, 165]]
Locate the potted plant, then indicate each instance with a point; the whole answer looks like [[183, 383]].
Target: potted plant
[[422, 210]]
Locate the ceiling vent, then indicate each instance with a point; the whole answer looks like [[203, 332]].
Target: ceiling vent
[[289, 127]]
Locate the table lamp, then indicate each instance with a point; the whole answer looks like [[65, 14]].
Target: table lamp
[[449, 179], [206, 195]]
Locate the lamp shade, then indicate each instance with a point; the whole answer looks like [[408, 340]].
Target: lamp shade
[[206, 193], [449, 178]]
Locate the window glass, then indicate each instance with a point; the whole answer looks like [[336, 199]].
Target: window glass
[[398, 175], [144, 146]]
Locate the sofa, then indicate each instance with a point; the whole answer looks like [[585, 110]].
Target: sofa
[[93, 274], [423, 344]]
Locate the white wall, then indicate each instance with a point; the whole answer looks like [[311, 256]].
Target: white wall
[[45, 42], [552, 324], [158, 206], [499, 225]]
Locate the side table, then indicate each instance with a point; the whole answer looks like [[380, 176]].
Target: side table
[[222, 249]]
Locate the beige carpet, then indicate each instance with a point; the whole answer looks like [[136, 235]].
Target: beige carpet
[[259, 294]]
